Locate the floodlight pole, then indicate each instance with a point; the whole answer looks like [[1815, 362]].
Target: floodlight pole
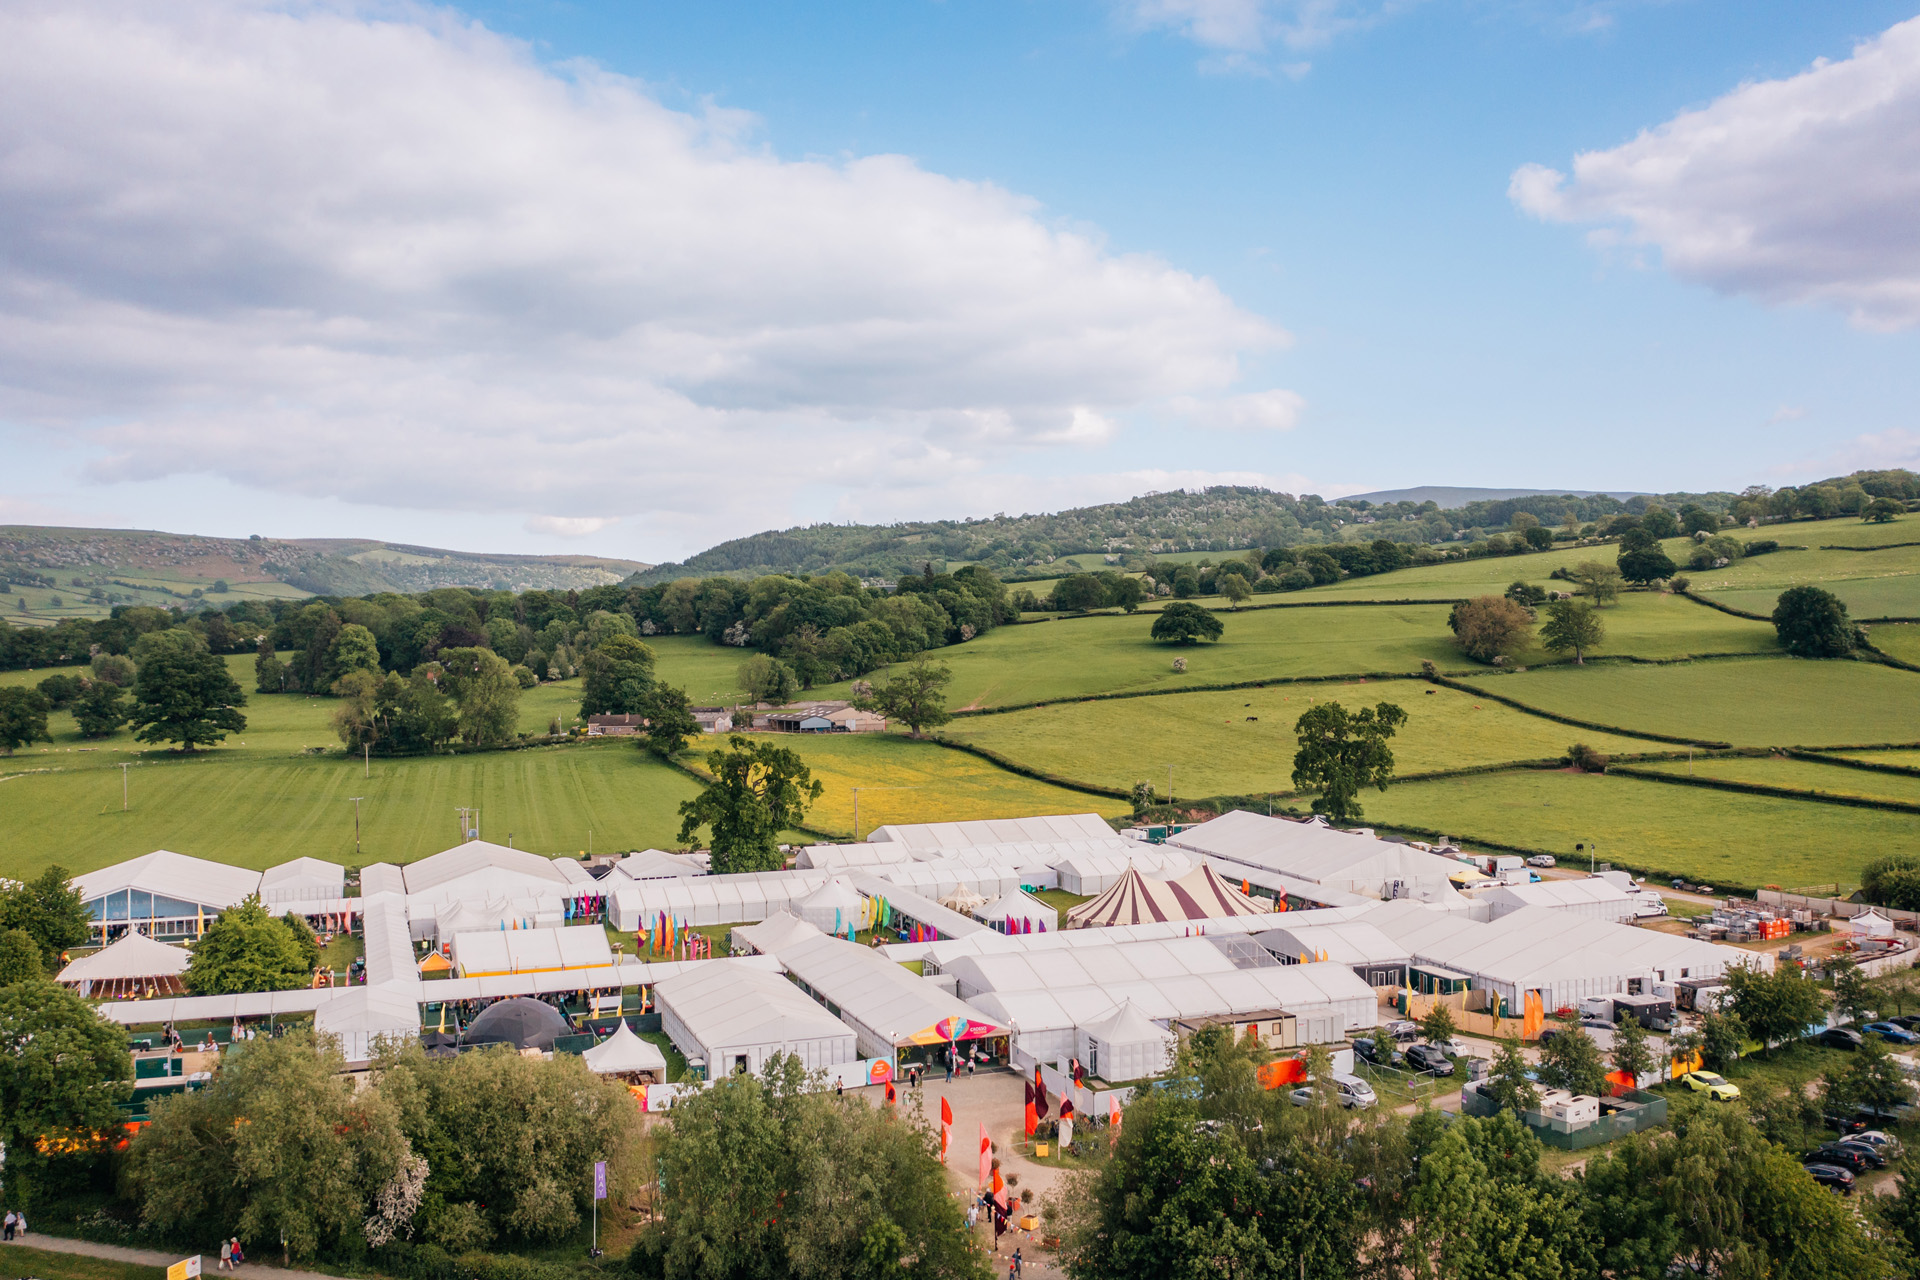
[[1169, 786], [366, 760], [356, 824], [123, 785]]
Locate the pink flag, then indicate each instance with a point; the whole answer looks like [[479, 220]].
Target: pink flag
[[986, 1154]]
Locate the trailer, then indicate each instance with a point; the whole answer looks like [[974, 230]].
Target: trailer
[[1652, 1012], [1699, 995]]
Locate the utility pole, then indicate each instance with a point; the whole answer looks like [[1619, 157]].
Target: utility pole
[[1590, 847], [356, 825], [366, 760], [469, 824], [123, 785], [856, 815], [1169, 786]]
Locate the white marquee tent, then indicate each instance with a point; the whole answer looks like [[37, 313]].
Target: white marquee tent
[[1015, 912], [1126, 1046], [834, 907], [361, 1015], [303, 880], [497, 951], [1589, 899], [958, 835], [711, 899], [1096, 871], [735, 1018], [625, 1054], [129, 967]]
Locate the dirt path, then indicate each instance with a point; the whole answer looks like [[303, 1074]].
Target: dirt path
[[210, 1258]]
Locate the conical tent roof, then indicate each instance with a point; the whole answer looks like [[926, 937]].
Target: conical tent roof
[[1127, 1025], [134, 956], [834, 893], [1021, 912], [624, 1052], [1210, 896], [963, 899], [1133, 899]]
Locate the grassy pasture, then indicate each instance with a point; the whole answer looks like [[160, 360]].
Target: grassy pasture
[[1900, 639], [1216, 749], [1702, 834], [1805, 775], [1907, 758], [1749, 702]]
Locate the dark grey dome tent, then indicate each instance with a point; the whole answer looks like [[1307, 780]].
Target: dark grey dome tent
[[520, 1022]]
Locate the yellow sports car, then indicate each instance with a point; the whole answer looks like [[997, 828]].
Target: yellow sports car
[[1715, 1087]]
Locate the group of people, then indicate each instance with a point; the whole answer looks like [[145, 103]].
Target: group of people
[[14, 1226], [1001, 1216], [230, 1255]]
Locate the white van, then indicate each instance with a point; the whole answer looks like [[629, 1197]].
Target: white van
[[1354, 1092]]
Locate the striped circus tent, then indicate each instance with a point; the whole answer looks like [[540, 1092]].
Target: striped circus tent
[[1136, 899]]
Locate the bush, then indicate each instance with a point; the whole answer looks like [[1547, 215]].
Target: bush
[[1295, 579], [1760, 547], [1812, 623], [1586, 759], [1523, 593]]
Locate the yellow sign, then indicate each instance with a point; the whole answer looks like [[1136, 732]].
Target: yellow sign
[[184, 1268]]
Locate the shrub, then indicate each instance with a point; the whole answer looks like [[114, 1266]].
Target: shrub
[[1760, 547], [1489, 627], [1586, 759], [1295, 579], [1524, 593], [1812, 623], [1183, 623]]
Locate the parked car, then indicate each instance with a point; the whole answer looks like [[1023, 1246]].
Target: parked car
[[1886, 1142], [1910, 1021], [1354, 1092], [1427, 1057], [1454, 1048], [1378, 1052], [1540, 860], [1840, 1154], [1403, 1031], [1302, 1097], [1875, 1156], [1717, 1088], [1598, 1024], [1838, 1038], [1548, 1033], [1833, 1176], [1888, 1031], [1845, 1124]]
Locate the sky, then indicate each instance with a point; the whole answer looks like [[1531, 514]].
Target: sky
[[632, 278]]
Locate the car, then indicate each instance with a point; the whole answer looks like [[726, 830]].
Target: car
[[1717, 1088], [1840, 1154], [1844, 1124], [1599, 1024], [1548, 1033], [1879, 1139], [1888, 1031], [1403, 1031], [1838, 1038], [1303, 1097], [1877, 1158], [1378, 1052], [1831, 1175], [1910, 1021], [1429, 1058], [1454, 1048], [1354, 1092], [1540, 860]]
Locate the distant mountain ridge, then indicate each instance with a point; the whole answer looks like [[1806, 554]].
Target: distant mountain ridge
[[320, 566], [1450, 497]]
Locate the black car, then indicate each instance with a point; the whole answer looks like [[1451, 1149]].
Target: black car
[[1838, 1038], [1843, 1155], [1426, 1057], [1380, 1055], [1832, 1175], [1906, 1021], [1845, 1124], [1874, 1157]]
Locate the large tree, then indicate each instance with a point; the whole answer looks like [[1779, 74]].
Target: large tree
[[1601, 580], [1487, 627], [1183, 623], [1646, 564], [1812, 623], [63, 1068], [352, 649], [670, 723], [1572, 626], [771, 1176], [279, 1146], [48, 908], [1571, 1061], [1774, 1007], [101, 710], [1483, 1209], [758, 791], [485, 694], [1340, 753], [767, 679], [246, 949], [916, 697], [19, 957], [617, 677], [185, 695], [23, 718]]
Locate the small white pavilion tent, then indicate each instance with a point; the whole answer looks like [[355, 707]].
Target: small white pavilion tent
[[963, 898], [782, 929], [1016, 912], [132, 967], [651, 864], [1870, 924], [1589, 899], [1126, 1046], [360, 1016], [834, 907], [735, 1018], [626, 1055]]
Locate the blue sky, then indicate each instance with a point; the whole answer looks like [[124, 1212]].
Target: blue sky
[[1214, 247]]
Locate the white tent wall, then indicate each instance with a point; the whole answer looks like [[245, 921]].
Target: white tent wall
[[389, 943], [949, 922], [694, 901], [1019, 907], [955, 835], [1126, 1047], [302, 880], [1094, 873], [364, 1015], [722, 1012], [1592, 899]]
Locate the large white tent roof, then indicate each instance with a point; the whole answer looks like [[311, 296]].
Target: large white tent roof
[[652, 864], [1015, 905], [372, 1010], [1339, 859], [781, 929], [500, 951], [1341, 941], [134, 956], [1326, 992], [303, 879], [624, 1052], [874, 994], [481, 866], [173, 875], [1589, 897], [958, 835], [723, 1004]]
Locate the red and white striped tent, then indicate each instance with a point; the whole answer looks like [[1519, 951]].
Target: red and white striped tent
[[1136, 899]]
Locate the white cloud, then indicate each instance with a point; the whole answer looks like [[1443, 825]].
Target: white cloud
[[1245, 27], [391, 259], [569, 526], [1802, 190], [1255, 411]]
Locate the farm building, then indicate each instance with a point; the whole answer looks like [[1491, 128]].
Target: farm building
[[1319, 855], [734, 1018], [1371, 954], [615, 726], [1590, 899]]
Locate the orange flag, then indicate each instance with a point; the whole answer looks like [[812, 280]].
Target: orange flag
[[986, 1154], [946, 1112]]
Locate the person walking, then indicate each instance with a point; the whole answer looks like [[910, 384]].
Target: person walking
[[1018, 1265], [226, 1256], [6, 1228], [238, 1256]]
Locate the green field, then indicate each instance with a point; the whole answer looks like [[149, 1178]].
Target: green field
[[1702, 834], [1804, 775], [1758, 702], [52, 1264], [1906, 758], [1216, 747], [1874, 584], [1898, 639]]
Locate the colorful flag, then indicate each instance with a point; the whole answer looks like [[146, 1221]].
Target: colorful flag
[[986, 1153], [1033, 1115], [946, 1112]]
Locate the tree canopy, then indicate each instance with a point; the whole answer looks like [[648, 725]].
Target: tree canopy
[[184, 694], [1572, 626], [916, 697], [758, 790], [1341, 752], [1811, 622], [1488, 626], [1183, 623], [63, 1068], [49, 910], [23, 718], [618, 677], [246, 949], [1646, 564]]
